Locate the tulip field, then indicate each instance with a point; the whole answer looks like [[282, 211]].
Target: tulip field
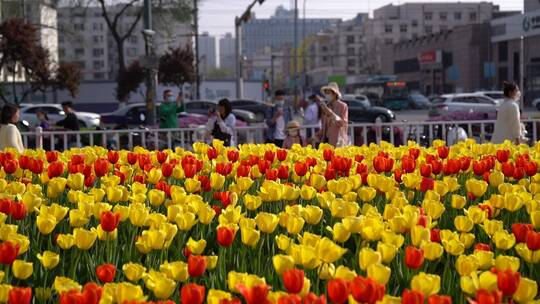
[[258, 224]]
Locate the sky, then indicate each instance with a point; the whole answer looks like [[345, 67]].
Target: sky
[[217, 16]]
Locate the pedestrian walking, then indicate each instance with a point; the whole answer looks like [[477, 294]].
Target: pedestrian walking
[[277, 118], [335, 117], [169, 109], [10, 137], [508, 123]]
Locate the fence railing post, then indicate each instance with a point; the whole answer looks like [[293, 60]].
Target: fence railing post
[[39, 138]]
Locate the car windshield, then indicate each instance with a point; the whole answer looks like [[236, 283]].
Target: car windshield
[[438, 100], [495, 95]]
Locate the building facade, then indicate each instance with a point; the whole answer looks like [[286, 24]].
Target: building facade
[[445, 62], [85, 39], [226, 52], [278, 30], [207, 53]]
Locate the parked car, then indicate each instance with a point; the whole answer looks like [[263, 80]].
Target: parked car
[[361, 110], [469, 102], [203, 106], [536, 103], [496, 95], [258, 108], [55, 114], [419, 101]]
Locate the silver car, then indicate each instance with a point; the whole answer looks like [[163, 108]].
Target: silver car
[[463, 103], [55, 113]]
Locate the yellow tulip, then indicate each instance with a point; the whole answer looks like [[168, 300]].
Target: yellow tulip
[[250, 236], [115, 194], [248, 280], [252, 202], [496, 178], [379, 273], [428, 284], [512, 202], [154, 176], [75, 181], [535, 219], [63, 284], [466, 264], [122, 210], [84, 239], [463, 223], [476, 187], [31, 201], [196, 247], [458, 201], [160, 284], [156, 197], [492, 226], [231, 215], [77, 218], [487, 280], [244, 183], [367, 194], [307, 192], [339, 233], [283, 242], [326, 271], [432, 250], [45, 223], [177, 271], [526, 291], [328, 251], [485, 259], [503, 240], [419, 235], [387, 251], [185, 221], [192, 185], [467, 239], [477, 215], [526, 254], [65, 241], [312, 214], [122, 292], [295, 224], [49, 259], [372, 229], [343, 272], [454, 247], [389, 237], [353, 224], [217, 181], [282, 263], [266, 222], [217, 296], [133, 271], [22, 270], [206, 214], [247, 222], [504, 262], [138, 214], [368, 256]]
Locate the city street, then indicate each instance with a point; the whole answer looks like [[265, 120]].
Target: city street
[[422, 115]]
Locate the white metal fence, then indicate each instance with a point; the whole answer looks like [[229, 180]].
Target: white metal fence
[[397, 133]]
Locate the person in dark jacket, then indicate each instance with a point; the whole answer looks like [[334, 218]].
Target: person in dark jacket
[[277, 118], [71, 122]]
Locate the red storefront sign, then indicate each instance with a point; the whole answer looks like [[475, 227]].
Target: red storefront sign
[[428, 57]]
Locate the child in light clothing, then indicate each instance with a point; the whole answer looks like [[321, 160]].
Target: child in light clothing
[[293, 135]]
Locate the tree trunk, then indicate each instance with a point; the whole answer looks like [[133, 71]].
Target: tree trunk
[[121, 56]]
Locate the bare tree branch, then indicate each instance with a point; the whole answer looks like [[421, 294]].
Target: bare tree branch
[[122, 11], [133, 25]]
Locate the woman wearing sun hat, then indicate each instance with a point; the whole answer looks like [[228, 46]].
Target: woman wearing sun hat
[[335, 117], [293, 135]]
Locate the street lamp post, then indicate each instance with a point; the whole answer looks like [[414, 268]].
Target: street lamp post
[[150, 64]]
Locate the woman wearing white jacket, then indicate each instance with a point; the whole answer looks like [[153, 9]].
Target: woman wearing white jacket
[[10, 137], [221, 125], [508, 124]]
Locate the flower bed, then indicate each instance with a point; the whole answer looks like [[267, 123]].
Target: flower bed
[[265, 225]]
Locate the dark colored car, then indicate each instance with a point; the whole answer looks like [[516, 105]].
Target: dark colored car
[[203, 106], [256, 107], [362, 111]]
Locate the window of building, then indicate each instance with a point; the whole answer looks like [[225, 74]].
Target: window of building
[[388, 28], [99, 76], [351, 62], [443, 16], [79, 52], [403, 28], [79, 26], [503, 51], [414, 23], [406, 66], [81, 64], [98, 27], [429, 29], [131, 52], [350, 51], [97, 39], [324, 49], [98, 52], [457, 15], [350, 39], [98, 64], [324, 58], [428, 16], [472, 16]]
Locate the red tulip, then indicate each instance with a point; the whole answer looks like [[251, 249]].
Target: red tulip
[[408, 164], [55, 169], [329, 174], [439, 299], [113, 156], [425, 170], [507, 169], [225, 236], [300, 168], [167, 169], [20, 295], [312, 298], [106, 273], [427, 184], [520, 231], [192, 293], [8, 252], [269, 156], [338, 291], [311, 162], [361, 168], [414, 257], [414, 152], [443, 152], [482, 246], [379, 164], [271, 174], [281, 154], [436, 167], [255, 295], [243, 171], [328, 154], [290, 299], [508, 281], [533, 240], [293, 279], [24, 162], [205, 183], [89, 181], [51, 156], [190, 170], [531, 168], [263, 165], [196, 265], [519, 173], [101, 167], [224, 168], [18, 211], [162, 156], [10, 166], [283, 172], [435, 235], [366, 290], [233, 155], [92, 293], [36, 166], [212, 153], [478, 167], [412, 297], [465, 163], [503, 155], [109, 221], [397, 175], [485, 297], [72, 297], [132, 158]]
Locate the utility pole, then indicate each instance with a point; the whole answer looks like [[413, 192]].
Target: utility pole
[[150, 64], [304, 61], [295, 58], [197, 71]]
